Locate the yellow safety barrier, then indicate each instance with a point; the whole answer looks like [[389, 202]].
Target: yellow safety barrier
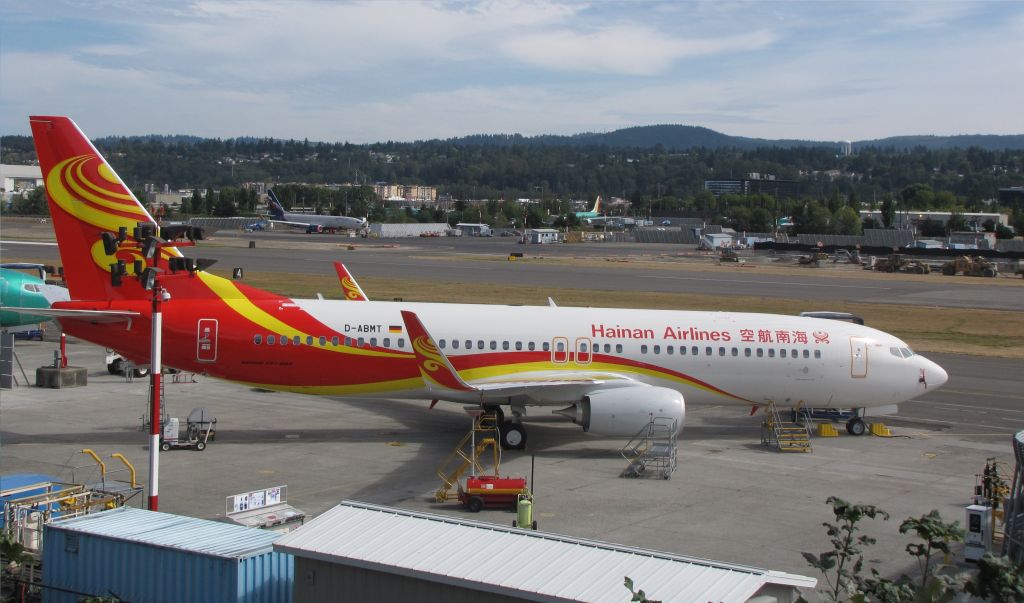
[[131, 468], [95, 457], [880, 430], [827, 430], [511, 258]]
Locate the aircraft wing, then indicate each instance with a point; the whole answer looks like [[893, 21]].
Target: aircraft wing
[[292, 224], [541, 387], [551, 387]]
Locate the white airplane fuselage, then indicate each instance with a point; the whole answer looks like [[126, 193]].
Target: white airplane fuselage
[[710, 357]]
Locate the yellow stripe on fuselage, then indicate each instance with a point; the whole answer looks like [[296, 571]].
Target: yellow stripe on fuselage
[[237, 301], [380, 387]]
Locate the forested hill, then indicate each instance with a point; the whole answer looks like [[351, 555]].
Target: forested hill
[[668, 137], [664, 137], [989, 142], [679, 138]]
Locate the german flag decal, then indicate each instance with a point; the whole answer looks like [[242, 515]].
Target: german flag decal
[[395, 329]]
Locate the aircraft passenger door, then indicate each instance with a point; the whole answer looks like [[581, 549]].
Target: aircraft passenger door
[[560, 350], [206, 340], [858, 358], [583, 350]]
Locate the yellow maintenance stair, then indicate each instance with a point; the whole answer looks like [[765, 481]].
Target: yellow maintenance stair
[[785, 436], [469, 453]]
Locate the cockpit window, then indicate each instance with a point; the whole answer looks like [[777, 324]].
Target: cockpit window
[[907, 352], [901, 352]]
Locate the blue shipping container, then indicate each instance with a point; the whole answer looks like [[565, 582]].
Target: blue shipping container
[[147, 557]]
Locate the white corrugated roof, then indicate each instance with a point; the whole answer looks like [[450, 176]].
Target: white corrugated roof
[[523, 563], [21, 171], [173, 531]]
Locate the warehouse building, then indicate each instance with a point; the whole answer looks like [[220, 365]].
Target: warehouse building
[[363, 552], [149, 557]]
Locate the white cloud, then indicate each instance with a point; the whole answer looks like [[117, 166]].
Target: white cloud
[[368, 71], [630, 49]]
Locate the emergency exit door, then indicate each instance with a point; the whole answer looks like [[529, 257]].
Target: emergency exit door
[[206, 340], [858, 358]]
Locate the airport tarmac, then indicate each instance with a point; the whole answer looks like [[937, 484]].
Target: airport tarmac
[[731, 499], [659, 268]]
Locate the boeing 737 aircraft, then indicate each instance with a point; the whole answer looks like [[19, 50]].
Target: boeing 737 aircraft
[[311, 222], [609, 370], [593, 213]]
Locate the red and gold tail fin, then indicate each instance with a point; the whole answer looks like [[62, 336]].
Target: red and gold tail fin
[[86, 199], [349, 286]]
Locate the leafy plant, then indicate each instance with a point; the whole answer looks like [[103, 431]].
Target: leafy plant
[[999, 579], [638, 595], [937, 536], [843, 564]]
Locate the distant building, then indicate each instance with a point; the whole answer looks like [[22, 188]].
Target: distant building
[[541, 236], [411, 193], [755, 184], [474, 230], [18, 179], [845, 148], [913, 219]]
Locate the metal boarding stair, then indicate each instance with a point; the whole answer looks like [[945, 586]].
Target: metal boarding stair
[[652, 451], [785, 436], [468, 453]]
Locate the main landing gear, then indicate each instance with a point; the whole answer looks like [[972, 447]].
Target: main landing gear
[[511, 432]]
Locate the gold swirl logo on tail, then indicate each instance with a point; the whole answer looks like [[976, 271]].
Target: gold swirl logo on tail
[[350, 288], [425, 347], [87, 188]]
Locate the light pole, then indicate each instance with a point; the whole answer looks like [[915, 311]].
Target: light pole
[[156, 335], [145, 241]]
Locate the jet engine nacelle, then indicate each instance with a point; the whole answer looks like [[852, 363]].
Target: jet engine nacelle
[[624, 411]]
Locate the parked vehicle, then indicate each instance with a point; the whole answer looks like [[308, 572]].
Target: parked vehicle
[[970, 266], [897, 262]]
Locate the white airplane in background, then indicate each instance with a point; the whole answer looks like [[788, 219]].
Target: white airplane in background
[[311, 222], [609, 370]]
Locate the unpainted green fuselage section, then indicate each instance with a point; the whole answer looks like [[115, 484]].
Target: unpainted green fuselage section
[[21, 290]]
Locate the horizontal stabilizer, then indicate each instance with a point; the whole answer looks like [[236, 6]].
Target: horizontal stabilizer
[[110, 316]]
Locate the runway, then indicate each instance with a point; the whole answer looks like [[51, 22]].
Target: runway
[[657, 268]]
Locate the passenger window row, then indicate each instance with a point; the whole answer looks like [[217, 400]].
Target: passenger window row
[[360, 342], [723, 351], [480, 344]]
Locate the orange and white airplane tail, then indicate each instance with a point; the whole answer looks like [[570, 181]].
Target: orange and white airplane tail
[[87, 198], [597, 205]]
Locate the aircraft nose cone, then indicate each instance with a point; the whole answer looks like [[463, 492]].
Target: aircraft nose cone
[[935, 375]]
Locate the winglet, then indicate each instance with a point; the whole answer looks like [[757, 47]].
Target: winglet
[[437, 371], [349, 286]]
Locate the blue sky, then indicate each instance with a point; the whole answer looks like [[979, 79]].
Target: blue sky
[[393, 70]]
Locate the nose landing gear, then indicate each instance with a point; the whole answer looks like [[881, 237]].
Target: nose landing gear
[[856, 426]]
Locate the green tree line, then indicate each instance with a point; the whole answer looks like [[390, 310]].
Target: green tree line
[[656, 181]]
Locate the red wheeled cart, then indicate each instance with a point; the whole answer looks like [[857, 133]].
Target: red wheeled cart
[[488, 491]]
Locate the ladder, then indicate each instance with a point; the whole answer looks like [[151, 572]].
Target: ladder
[[785, 436], [484, 434], [652, 451]]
